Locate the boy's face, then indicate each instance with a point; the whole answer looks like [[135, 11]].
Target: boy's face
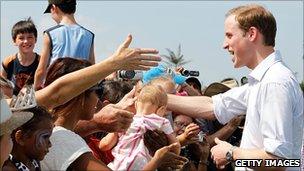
[[25, 42], [38, 143]]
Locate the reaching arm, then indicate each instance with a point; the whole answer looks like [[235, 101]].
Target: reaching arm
[[71, 85], [172, 139], [225, 132], [109, 119], [164, 158], [193, 106], [43, 62], [108, 142]]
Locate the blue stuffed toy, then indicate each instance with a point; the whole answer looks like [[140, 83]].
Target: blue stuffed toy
[[161, 70]]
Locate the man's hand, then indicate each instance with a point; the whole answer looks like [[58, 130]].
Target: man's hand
[[126, 58], [218, 153], [112, 118]]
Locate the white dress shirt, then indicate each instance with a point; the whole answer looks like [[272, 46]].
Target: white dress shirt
[[273, 103]]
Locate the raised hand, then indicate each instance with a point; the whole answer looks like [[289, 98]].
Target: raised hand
[[167, 158], [190, 135], [134, 59]]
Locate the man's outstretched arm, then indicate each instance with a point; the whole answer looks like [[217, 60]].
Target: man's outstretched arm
[[193, 106]]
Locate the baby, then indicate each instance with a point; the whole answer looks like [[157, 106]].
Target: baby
[[130, 152]]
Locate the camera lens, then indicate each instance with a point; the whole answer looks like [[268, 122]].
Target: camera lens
[[194, 73], [129, 74], [185, 73]]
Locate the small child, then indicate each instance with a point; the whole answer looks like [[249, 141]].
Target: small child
[[68, 38], [21, 67], [31, 142], [130, 152]]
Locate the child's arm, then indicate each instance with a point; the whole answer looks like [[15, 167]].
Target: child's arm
[[4, 68], [40, 73], [108, 142], [172, 139]]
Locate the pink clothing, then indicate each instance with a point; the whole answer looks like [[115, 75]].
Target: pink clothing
[[130, 152]]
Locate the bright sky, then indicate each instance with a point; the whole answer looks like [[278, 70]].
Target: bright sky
[[197, 25]]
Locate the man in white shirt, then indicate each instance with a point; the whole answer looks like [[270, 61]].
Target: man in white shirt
[[272, 99]]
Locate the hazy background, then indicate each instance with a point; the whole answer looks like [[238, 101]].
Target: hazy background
[[196, 25]]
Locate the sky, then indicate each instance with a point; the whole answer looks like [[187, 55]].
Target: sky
[[197, 25]]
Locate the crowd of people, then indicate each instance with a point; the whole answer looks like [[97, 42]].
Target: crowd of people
[[62, 111]]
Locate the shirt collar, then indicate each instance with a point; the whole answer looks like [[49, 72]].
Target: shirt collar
[[259, 71]]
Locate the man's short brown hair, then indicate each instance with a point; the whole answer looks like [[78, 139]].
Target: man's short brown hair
[[256, 16]]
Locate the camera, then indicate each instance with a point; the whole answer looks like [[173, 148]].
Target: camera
[[188, 73], [129, 74]]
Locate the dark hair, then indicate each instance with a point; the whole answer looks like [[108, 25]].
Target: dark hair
[[24, 26], [194, 81], [114, 91], [61, 67], [67, 8], [40, 114]]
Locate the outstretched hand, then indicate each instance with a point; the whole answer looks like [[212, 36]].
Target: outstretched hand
[[170, 159], [134, 59]]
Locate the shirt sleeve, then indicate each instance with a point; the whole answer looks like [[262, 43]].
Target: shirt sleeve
[[154, 122], [230, 104], [276, 116]]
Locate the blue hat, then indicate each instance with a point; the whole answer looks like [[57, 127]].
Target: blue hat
[[159, 71]]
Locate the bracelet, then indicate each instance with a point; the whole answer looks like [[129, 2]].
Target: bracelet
[[204, 162]]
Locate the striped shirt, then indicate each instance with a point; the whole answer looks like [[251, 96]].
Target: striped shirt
[[130, 152]]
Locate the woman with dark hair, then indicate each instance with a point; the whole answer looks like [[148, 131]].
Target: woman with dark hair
[[69, 151]]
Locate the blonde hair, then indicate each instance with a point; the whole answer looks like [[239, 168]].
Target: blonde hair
[[163, 81], [254, 15], [153, 94]]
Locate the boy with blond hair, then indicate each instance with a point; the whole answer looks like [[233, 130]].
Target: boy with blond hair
[[130, 152]]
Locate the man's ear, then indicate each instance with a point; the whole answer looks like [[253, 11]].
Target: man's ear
[[19, 137], [253, 33]]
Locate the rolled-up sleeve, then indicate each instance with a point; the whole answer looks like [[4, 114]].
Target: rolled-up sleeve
[[230, 104], [277, 120]]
